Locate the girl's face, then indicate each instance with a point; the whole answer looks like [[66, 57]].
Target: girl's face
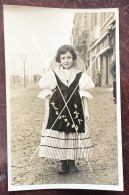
[[66, 60]]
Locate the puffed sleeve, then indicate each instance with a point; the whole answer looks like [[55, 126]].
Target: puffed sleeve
[[85, 84], [48, 84]]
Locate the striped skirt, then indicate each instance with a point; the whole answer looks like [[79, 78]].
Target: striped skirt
[[64, 146]]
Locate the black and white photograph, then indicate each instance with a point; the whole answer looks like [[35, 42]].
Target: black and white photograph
[[63, 98]]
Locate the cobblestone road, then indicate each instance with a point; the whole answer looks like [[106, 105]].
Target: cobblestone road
[[27, 113]]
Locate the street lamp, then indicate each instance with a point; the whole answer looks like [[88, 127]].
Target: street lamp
[[23, 57]]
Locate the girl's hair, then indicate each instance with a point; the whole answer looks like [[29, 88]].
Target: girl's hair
[[64, 49]]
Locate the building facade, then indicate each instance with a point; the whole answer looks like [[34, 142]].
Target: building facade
[[93, 37]]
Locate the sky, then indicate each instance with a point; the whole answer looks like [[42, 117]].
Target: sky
[[37, 33]]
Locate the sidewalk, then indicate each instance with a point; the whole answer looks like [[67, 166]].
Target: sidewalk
[[27, 115]]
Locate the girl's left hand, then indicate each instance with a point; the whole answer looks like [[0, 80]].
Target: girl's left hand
[[87, 117]]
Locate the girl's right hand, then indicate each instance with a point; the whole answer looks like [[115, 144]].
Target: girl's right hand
[[47, 104]]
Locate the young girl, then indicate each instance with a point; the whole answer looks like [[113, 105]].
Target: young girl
[[65, 135]]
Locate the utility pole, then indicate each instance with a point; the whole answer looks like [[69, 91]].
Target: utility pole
[[23, 57]]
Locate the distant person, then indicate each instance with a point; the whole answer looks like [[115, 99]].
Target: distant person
[[61, 129], [99, 79], [35, 78], [113, 73]]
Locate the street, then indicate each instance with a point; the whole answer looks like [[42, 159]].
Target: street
[[27, 112]]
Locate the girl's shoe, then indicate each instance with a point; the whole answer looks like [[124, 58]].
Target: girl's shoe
[[63, 167], [72, 166]]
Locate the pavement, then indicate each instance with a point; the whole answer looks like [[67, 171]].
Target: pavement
[[27, 112]]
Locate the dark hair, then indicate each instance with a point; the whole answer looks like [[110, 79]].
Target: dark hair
[[64, 49]]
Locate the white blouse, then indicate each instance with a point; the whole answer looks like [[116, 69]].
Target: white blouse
[[48, 82]]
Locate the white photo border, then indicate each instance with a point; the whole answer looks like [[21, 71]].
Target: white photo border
[[118, 187]]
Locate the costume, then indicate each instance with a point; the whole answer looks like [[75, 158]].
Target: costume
[[59, 138]]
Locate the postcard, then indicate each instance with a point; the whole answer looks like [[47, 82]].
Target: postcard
[[63, 98]]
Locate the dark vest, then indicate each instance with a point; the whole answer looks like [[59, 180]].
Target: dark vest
[[64, 123]]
